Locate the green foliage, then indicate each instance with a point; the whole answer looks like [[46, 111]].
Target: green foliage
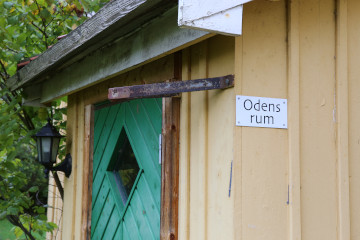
[[28, 28]]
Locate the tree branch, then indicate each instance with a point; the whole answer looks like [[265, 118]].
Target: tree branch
[[12, 50], [2, 76], [43, 23], [51, 21], [4, 69], [15, 220], [24, 117], [38, 28]]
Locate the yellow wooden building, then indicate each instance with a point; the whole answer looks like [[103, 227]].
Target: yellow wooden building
[[219, 180]]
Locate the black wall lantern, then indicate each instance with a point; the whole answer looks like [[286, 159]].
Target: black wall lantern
[[47, 141]]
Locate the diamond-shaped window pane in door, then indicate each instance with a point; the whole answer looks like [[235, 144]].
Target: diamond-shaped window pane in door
[[126, 170]]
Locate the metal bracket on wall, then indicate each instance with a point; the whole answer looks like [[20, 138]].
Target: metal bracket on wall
[[169, 89]]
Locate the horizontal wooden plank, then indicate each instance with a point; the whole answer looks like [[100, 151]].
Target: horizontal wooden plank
[[170, 88], [115, 19]]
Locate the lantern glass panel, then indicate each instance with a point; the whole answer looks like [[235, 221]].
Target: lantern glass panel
[[38, 145], [45, 150], [55, 146]]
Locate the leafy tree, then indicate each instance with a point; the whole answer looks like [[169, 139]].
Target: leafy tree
[[28, 28]]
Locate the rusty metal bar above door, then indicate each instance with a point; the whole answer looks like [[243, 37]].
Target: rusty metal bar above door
[[168, 89]]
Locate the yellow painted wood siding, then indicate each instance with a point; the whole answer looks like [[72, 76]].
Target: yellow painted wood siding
[[207, 122], [299, 183], [261, 159], [54, 211], [73, 184], [352, 94]]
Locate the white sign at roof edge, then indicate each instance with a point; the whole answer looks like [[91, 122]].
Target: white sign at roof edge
[[218, 16]]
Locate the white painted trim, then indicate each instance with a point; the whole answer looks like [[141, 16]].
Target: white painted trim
[[223, 17]]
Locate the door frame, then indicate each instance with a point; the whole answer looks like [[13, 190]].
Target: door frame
[[169, 164]]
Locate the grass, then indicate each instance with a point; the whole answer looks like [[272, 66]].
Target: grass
[[5, 230]]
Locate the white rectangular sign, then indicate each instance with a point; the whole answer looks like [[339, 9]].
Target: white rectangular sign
[[261, 112]]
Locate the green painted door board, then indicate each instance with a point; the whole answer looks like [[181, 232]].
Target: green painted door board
[[139, 217]]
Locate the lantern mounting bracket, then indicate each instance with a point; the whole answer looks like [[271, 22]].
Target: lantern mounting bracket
[[64, 166]]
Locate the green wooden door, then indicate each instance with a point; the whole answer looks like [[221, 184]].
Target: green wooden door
[[126, 171]]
